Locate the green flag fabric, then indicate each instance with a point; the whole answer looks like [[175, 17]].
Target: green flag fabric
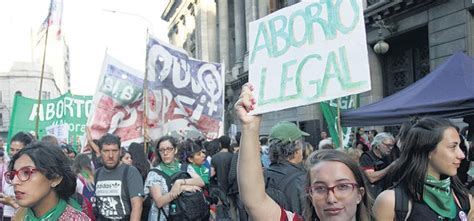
[[68, 109], [329, 109]]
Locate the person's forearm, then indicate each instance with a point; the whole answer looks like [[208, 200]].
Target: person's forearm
[[195, 181], [135, 214], [164, 200], [377, 175], [250, 178]]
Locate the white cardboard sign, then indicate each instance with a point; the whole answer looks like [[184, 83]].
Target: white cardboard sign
[[309, 52]]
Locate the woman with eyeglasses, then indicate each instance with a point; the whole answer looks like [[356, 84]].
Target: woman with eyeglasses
[[155, 184], [335, 185], [17, 142], [43, 181]]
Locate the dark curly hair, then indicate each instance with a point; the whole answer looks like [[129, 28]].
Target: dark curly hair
[[52, 163]]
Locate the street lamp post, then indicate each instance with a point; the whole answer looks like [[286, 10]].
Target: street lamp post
[[145, 80]]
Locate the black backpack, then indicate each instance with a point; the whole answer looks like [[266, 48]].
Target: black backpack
[[277, 185], [188, 205], [147, 203], [402, 198]]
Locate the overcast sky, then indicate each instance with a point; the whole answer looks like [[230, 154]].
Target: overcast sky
[[89, 31]]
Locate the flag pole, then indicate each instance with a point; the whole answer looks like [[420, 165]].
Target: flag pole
[[41, 78], [145, 96], [339, 129]]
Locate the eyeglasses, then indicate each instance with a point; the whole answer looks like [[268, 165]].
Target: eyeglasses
[[166, 150], [388, 145], [340, 191], [23, 174]]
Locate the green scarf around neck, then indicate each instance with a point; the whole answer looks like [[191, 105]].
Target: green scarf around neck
[[53, 214], [202, 171], [170, 168], [438, 196]]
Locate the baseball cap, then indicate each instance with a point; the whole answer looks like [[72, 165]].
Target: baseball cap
[[286, 132]]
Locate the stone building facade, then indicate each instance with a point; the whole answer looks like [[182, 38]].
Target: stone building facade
[[23, 78], [420, 34]]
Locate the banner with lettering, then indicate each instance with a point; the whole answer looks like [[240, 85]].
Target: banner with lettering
[[307, 53], [185, 97], [329, 109], [68, 109], [118, 103], [190, 91]]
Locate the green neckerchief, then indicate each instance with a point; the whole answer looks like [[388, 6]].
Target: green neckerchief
[[170, 168], [202, 171], [74, 204], [52, 214], [438, 196]]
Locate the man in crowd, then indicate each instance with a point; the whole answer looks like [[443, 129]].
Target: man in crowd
[[376, 163], [119, 187], [220, 166], [286, 146]]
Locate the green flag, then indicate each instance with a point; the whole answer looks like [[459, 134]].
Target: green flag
[[329, 109], [69, 109]]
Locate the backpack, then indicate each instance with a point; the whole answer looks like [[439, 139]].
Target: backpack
[[277, 185], [188, 205], [402, 198], [125, 186], [147, 203], [221, 203]]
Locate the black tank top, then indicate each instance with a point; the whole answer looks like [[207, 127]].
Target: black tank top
[[421, 211]]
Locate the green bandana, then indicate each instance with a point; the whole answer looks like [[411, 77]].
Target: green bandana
[[202, 171], [170, 168], [437, 195], [52, 214]]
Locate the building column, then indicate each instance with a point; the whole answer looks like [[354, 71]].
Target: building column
[[240, 41], [206, 31], [263, 8], [222, 8], [251, 14]]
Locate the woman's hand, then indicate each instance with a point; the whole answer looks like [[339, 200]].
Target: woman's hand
[[175, 190], [8, 200], [244, 105], [190, 188]]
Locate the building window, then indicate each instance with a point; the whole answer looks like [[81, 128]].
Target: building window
[[1, 119], [1, 100]]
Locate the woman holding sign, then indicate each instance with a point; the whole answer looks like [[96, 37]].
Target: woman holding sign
[[335, 185]]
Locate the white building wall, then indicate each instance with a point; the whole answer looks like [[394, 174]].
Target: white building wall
[[25, 78]]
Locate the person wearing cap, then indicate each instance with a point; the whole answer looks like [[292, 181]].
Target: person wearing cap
[[286, 146]]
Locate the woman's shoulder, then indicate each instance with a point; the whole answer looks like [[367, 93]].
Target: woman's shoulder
[[73, 214], [384, 205]]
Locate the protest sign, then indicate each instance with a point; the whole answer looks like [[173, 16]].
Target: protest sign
[[118, 103], [68, 109], [329, 109], [61, 132], [191, 92], [307, 53], [185, 96]]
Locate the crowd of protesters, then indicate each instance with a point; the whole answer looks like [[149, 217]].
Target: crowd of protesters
[[420, 174]]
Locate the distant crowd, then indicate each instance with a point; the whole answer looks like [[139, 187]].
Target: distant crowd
[[422, 173]]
